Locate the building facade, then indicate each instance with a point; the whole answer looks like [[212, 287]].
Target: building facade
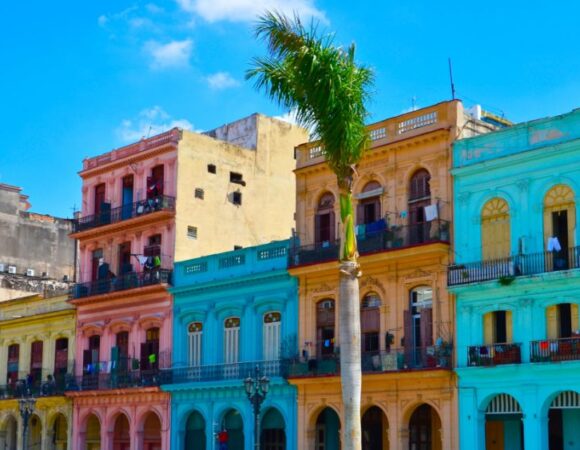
[[516, 280], [403, 212], [234, 312], [37, 344], [173, 196]]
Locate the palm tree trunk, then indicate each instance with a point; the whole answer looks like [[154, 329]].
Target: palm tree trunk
[[349, 323]]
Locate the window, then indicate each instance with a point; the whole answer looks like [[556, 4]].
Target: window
[[238, 247], [325, 327], [324, 220], [237, 198], [155, 182], [199, 193], [369, 204], [192, 232], [418, 323], [125, 265], [211, 168], [419, 198], [153, 247], [562, 320], [495, 230], [150, 349], [61, 356], [497, 327], [36, 360], [13, 359], [237, 178], [231, 340], [271, 336], [194, 333], [370, 322], [559, 223]]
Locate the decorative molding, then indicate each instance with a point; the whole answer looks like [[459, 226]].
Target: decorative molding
[[374, 283]]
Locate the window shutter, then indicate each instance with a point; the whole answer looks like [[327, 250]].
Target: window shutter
[[317, 229], [408, 330], [509, 327], [574, 316], [332, 232], [552, 321], [426, 327], [488, 337]]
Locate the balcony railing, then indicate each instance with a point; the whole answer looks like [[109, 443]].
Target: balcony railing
[[552, 350], [222, 372], [125, 212], [494, 354], [37, 388], [513, 266], [119, 379], [390, 238], [128, 281], [396, 359]]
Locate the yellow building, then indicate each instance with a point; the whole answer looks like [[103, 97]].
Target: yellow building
[[402, 199], [36, 358]]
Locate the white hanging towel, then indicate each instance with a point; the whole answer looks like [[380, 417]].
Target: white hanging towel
[[431, 213], [142, 259], [554, 244]]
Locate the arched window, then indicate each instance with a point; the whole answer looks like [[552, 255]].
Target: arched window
[[369, 204], [559, 224], [325, 327], [194, 338], [271, 336], [231, 340], [418, 325], [370, 322], [419, 199], [495, 230], [324, 220]]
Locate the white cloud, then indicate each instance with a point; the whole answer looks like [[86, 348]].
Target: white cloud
[[221, 80], [153, 8], [102, 20], [248, 10], [149, 122], [170, 55]]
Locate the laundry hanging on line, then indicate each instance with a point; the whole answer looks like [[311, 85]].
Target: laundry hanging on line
[[554, 244], [431, 212]]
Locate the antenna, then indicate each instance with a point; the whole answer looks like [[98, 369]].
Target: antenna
[[413, 103], [149, 131], [451, 79]]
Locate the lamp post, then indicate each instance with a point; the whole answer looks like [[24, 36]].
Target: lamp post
[[257, 389], [26, 407]]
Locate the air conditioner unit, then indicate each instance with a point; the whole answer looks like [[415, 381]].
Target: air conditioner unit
[[29, 272], [12, 269], [2, 268]]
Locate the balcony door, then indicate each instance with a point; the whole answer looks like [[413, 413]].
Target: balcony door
[[231, 340], [13, 360], [418, 322], [195, 335], [271, 336], [127, 197], [324, 232], [325, 328], [419, 198], [36, 349]]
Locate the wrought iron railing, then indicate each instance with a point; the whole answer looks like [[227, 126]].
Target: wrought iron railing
[[550, 350], [221, 372], [115, 379], [513, 266], [125, 212], [46, 387], [389, 238], [128, 281], [494, 354]]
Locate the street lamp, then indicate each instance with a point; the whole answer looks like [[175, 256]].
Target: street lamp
[[257, 389], [26, 407]]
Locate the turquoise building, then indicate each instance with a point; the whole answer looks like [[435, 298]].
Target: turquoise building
[[516, 280], [233, 312]]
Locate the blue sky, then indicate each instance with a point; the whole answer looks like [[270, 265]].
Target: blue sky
[[80, 78]]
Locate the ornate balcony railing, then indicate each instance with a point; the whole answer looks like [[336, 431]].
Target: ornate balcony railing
[[513, 266], [395, 359], [54, 386], [552, 350], [494, 354], [116, 379], [373, 240], [125, 212], [128, 281], [222, 372]]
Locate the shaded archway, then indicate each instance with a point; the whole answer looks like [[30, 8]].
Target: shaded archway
[[233, 424], [8, 434], [93, 433], [563, 420], [152, 432], [504, 428], [425, 429], [121, 433], [327, 430], [34, 432], [273, 435], [58, 433], [195, 438], [375, 429]]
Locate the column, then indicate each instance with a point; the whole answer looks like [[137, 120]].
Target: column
[[533, 432]]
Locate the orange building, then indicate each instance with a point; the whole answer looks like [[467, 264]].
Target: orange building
[[403, 202]]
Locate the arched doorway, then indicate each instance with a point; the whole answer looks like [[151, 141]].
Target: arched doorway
[[195, 438], [93, 433], [424, 429], [8, 434], [504, 428], [233, 424], [375, 429], [273, 435], [59, 433], [152, 432], [121, 433], [34, 432], [327, 430], [563, 420]]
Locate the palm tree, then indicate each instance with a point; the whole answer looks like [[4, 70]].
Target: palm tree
[[328, 90]]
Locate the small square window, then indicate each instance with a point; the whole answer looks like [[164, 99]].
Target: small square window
[[237, 178], [238, 247], [211, 168], [192, 232], [199, 193], [237, 198]]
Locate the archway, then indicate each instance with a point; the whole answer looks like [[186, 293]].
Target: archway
[[152, 432], [563, 420], [233, 424], [327, 430], [425, 429], [375, 429], [121, 433], [8, 435], [34, 432], [504, 428], [273, 435], [59, 433], [195, 438], [93, 433]]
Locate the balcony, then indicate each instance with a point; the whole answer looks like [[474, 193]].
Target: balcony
[[395, 237], [222, 372], [506, 269], [37, 388], [125, 212], [131, 280], [394, 360], [120, 379], [555, 350], [494, 355]]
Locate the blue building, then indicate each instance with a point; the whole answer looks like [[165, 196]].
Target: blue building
[[516, 280], [233, 312]]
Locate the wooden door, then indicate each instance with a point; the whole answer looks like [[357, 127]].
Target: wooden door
[[494, 435]]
